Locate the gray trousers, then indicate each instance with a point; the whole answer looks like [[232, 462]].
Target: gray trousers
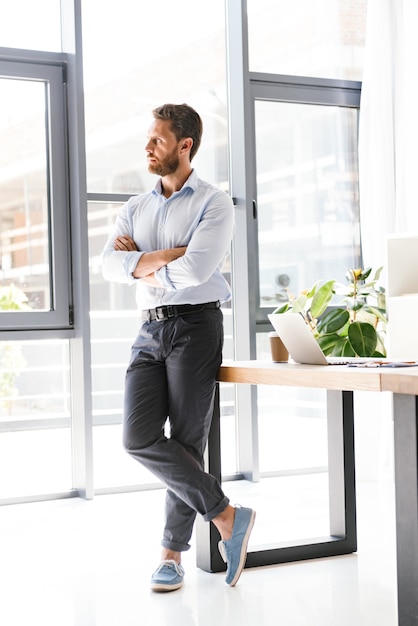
[[172, 375]]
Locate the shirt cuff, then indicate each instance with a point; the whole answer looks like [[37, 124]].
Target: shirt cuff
[[130, 262], [162, 276]]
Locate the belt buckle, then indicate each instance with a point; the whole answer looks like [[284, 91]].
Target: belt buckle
[[159, 313]]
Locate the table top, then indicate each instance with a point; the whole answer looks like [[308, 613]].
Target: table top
[[338, 377]]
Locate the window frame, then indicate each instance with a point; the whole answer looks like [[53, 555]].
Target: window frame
[[294, 90], [49, 68], [248, 319]]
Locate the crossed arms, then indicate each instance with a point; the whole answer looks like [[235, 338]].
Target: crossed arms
[[149, 262]]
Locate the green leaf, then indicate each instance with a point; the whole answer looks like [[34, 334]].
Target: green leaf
[[335, 345], [298, 305], [365, 274], [354, 304], [346, 348], [327, 343], [380, 348], [311, 292], [366, 290], [377, 273], [349, 276], [333, 320], [363, 338], [322, 298], [380, 314], [343, 348], [282, 309]]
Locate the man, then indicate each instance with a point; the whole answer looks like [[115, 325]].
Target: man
[[171, 243]]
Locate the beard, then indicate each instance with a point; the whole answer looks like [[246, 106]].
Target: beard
[[167, 166]]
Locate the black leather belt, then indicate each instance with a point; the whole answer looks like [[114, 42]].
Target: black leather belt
[[161, 313]]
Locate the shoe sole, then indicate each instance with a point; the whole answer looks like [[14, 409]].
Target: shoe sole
[[243, 555], [165, 587]]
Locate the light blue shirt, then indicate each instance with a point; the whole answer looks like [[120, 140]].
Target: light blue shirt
[[199, 216]]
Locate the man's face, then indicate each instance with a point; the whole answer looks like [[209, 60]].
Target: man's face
[[162, 149]]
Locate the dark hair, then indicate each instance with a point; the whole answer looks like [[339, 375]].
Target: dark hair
[[185, 122]]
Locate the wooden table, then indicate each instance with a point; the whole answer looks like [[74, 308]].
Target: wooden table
[[340, 383]]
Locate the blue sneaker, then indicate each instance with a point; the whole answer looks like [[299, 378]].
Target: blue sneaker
[[234, 550], [167, 577]]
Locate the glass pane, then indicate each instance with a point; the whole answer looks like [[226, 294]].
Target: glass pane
[[114, 323], [324, 38], [307, 192], [24, 192], [105, 296], [134, 75], [286, 435], [293, 452], [35, 433], [31, 25], [291, 509]]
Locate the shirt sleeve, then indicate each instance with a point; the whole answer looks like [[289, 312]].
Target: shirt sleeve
[[117, 265], [207, 248]]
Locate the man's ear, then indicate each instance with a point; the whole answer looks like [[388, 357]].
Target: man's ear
[[186, 144]]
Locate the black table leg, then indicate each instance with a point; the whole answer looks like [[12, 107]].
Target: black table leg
[[207, 536], [342, 503]]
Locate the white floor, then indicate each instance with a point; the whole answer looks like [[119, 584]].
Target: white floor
[[79, 563]]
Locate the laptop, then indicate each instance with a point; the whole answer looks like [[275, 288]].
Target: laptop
[[302, 345]]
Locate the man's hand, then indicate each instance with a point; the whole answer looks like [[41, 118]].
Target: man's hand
[[150, 262], [125, 243]]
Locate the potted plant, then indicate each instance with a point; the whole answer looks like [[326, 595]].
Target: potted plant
[[356, 325]]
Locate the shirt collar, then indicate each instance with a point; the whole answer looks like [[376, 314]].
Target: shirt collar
[[191, 183]]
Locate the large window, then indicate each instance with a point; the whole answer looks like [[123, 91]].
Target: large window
[[147, 64], [294, 117], [324, 38], [43, 336], [35, 419], [31, 25], [307, 195], [296, 208], [123, 83], [34, 221]]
